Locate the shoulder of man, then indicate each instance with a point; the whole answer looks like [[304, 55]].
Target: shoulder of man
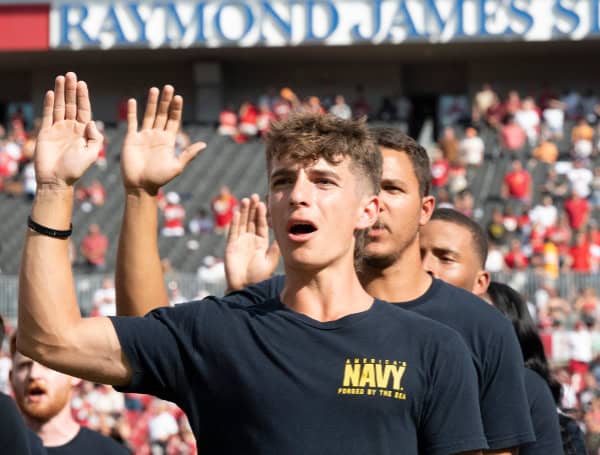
[[98, 443]]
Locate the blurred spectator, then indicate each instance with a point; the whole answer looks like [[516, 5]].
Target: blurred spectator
[[589, 101], [595, 186], [174, 216], [29, 182], [546, 152], [211, 274], [388, 111], [228, 122], [483, 101], [182, 141], [105, 299], [512, 103], [496, 229], [554, 119], [582, 131], [44, 397], [545, 213], [247, 128], [264, 119], [581, 179], [578, 211], [360, 106], [464, 203], [450, 145], [472, 148], [162, 426], [528, 118], [340, 108], [512, 136], [581, 255], [495, 259], [515, 258], [587, 305], [223, 206], [557, 185], [91, 196], [175, 295], [572, 102], [440, 170], [517, 183], [94, 247], [201, 223], [403, 109]]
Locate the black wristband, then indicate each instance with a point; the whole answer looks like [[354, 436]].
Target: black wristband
[[48, 231]]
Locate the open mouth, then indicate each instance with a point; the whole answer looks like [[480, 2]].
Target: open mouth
[[35, 391], [302, 228]]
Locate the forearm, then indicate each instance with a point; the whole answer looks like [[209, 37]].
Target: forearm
[[139, 279], [47, 301]]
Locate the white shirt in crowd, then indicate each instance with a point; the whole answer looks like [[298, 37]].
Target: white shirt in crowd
[[546, 215], [472, 150], [581, 179]]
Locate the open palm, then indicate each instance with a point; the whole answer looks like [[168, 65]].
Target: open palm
[[149, 160], [68, 142]]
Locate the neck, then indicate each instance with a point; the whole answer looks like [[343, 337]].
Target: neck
[[57, 431], [402, 281], [327, 294]]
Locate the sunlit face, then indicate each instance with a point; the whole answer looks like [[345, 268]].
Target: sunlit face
[[40, 393], [315, 208], [402, 211], [448, 253]]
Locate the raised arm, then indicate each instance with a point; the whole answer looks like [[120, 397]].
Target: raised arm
[[148, 162], [249, 258], [51, 329]]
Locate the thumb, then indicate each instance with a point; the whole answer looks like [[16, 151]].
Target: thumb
[[93, 138], [191, 152]]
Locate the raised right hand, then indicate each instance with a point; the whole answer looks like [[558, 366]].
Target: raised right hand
[[248, 257], [149, 160], [68, 141]]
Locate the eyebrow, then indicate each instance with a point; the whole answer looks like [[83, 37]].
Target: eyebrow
[[282, 173], [442, 251]]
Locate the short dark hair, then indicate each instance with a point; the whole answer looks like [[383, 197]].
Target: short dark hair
[[393, 138], [308, 137], [479, 238]]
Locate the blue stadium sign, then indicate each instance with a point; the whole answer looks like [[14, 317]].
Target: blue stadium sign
[[215, 23]]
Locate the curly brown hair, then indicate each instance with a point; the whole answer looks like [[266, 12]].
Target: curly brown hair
[[308, 137]]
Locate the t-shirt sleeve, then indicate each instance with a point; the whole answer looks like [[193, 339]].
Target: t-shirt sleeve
[[504, 405], [451, 419], [162, 347], [544, 416]]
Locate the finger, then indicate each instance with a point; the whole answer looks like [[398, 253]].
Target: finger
[[132, 123], [254, 201], [244, 209], [163, 108], [84, 108], [190, 153], [94, 140], [59, 99], [70, 96], [262, 225], [151, 105], [48, 108], [175, 113], [234, 227]]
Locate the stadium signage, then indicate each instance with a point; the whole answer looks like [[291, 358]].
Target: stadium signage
[[215, 23]]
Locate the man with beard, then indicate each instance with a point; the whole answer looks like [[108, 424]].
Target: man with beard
[[15, 437], [391, 268], [44, 398]]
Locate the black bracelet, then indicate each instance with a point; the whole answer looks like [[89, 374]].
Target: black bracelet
[[48, 231]]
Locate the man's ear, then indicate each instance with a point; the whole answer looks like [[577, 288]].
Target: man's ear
[[427, 208], [482, 283], [369, 213]]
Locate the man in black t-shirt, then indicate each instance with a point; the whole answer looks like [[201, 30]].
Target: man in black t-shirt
[[44, 398], [15, 437], [323, 369], [391, 268]]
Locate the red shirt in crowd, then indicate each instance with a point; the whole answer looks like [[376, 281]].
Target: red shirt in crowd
[[582, 258], [577, 210], [223, 207], [440, 170], [518, 183], [516, 260], [513, 137]]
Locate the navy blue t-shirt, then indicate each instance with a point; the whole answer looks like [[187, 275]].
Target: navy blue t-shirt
[[262, 379], [544, 416], [88, 442], [491, 340]]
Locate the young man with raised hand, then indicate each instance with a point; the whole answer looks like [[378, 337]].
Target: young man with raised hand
[[323, 369], [391, 268]]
